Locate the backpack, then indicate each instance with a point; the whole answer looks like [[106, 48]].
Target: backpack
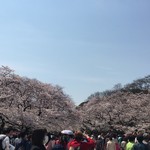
[[1, 141]]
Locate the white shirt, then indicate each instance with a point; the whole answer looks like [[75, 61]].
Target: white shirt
[[5, 142]]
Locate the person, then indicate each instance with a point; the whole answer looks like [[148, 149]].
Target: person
[[23, 144], [110, 144], [17, 140], [146, 140], [6, 140], [130, 143], [140, 145], [123, 143], [82, 142], [66, 137], [115, 139], [59, 142], [100, 143], [51, 141], [38, 136]]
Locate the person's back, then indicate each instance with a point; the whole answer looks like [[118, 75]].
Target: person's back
[[140, 145], [2, 137], [24, 144], [100, 143], [130, 143], [79, 143], [146, 140], [4, 142], [38, 139], [111, 144]]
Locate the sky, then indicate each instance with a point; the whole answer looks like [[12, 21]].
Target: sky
[[84, 46]]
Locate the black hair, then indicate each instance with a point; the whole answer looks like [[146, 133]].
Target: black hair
[[38, 136], [140, 138], [131, 138]]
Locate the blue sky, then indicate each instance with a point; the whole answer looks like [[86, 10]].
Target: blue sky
[[84, 46]]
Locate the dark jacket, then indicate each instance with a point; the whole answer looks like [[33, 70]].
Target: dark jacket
[[39, 147]]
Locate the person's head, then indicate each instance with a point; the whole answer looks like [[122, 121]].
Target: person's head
[[78, 136], [7, 131], [131, 138], [38, 136], [140, 138], [125, 139], [146, 137], [110, 138], [66, 135], [23, 135]]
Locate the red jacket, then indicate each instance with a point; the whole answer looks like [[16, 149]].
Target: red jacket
[[84, 145]]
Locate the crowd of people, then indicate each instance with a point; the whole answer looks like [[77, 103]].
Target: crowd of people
[[40, 139]]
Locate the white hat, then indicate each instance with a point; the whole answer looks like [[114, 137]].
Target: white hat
[[68, 132]]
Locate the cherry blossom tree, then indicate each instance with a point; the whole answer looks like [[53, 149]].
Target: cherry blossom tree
[[122, 110], [30, 103]]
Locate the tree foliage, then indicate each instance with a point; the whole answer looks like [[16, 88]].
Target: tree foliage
[[30, 103], [122, 107]]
